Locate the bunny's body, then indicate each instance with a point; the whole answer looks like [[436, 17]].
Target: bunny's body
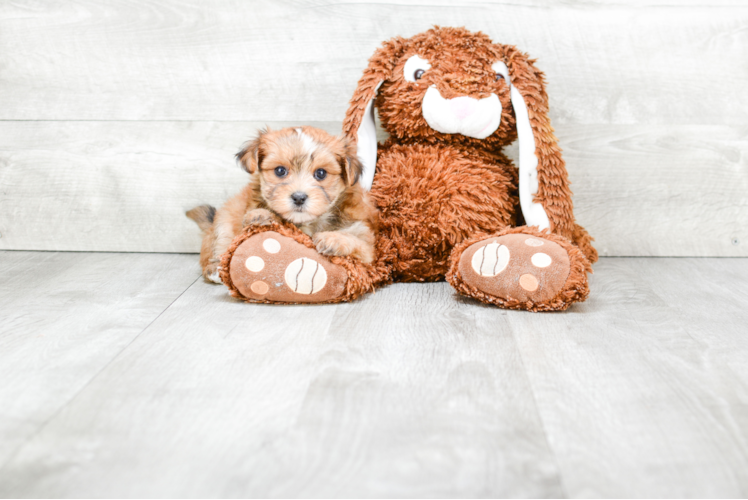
[[451, 203], [432, 197]]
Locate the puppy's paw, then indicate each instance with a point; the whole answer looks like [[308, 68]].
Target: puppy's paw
[[212, 273], [333, 243], [257, 217]]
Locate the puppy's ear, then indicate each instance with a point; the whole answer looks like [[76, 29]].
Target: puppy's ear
[[359, 124], [544, 192], [251, 155], [350, 166]]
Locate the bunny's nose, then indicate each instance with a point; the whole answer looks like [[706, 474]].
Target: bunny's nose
[[299, 198], [462, 107]]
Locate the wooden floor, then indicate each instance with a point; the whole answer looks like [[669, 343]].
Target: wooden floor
[[126, 375]]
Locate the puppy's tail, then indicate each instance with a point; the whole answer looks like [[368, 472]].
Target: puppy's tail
[[203, 215]]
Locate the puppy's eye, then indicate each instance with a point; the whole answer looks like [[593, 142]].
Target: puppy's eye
[[320, 174], [499, 76], [418, 74], [281, 171]]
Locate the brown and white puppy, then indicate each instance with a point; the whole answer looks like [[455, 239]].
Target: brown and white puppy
[[300, 175]]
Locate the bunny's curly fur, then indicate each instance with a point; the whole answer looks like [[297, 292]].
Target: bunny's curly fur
[[435, 190]]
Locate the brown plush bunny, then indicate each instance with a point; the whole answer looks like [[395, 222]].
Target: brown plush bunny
[[451, 203]]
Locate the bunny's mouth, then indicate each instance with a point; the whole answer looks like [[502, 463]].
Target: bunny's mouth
[[477, 118]]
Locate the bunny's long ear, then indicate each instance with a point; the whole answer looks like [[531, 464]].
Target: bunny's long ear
[[359, 124], [544, 193]]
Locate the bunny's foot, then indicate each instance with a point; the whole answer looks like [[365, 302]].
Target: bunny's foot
[[520, 268], [279, 264]]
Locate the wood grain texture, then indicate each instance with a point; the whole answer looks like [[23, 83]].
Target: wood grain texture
[[638, 397], [626, 63], [124, 186], [707, 285], [411, 392], [64, 317], [222, 398], [660, 190]]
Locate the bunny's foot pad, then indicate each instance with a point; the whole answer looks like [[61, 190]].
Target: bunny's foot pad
[[265, 265], [521, 268]]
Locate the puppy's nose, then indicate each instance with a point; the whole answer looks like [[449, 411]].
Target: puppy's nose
[[299, 198]]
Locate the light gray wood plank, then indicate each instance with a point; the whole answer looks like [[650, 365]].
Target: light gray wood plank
[[408, 392], [637, 398], [627, 63], [710, 297], [413, 391], [64, 317], [661, 190], [124, 186]]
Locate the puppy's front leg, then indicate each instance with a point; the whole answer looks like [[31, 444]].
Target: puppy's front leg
[[356, 240], [258, 217], [219, 238], [224, 231]]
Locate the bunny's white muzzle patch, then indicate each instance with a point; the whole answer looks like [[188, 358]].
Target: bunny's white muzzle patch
[[477, 118]]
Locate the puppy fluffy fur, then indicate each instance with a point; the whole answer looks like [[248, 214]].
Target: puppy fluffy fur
[[300, 175]]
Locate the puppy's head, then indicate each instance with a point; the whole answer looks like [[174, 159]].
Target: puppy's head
[[302, 171]]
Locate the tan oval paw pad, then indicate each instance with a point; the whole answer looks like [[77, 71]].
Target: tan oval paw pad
[[528, 282], [271, 245], [260, 287], [541, 260], [533, 242], [254, 264]]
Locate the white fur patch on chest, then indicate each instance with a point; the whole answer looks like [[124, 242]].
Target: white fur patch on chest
[[477, 118]]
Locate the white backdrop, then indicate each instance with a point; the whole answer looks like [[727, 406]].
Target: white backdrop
[[117, 116]]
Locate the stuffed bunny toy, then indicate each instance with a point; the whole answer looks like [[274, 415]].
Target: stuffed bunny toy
[[451, 204]]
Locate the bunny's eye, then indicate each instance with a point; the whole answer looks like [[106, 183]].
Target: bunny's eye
[[502, 72], [415, 67]]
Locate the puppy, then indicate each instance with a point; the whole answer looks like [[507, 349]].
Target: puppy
[[300, 175]]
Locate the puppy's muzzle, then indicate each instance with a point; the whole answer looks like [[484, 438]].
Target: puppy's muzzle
[[299, 198], [464, 115]]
